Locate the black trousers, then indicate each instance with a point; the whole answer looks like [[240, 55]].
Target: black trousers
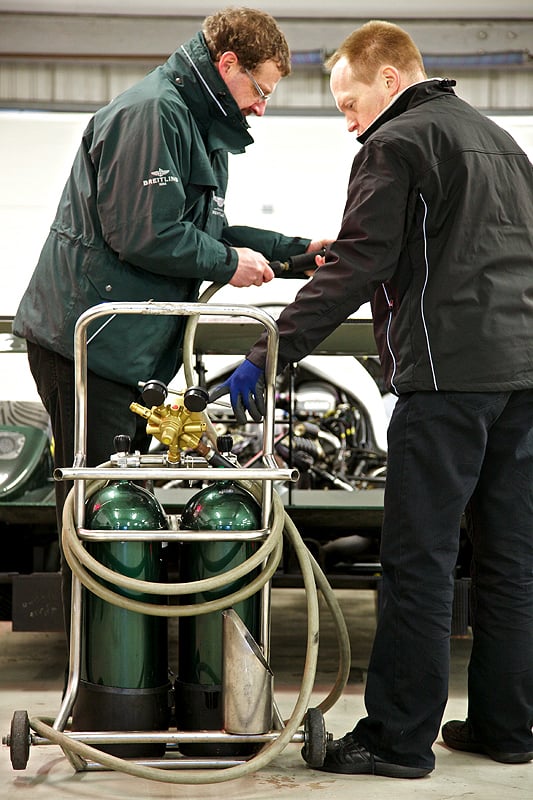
[[108, 414], [448, 452]]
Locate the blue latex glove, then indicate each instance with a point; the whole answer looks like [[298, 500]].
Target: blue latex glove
[[246, 387]]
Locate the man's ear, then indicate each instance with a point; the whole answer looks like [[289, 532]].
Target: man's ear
[[227, 62], [392, 79]]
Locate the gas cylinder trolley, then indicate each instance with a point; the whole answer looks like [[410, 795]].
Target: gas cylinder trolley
[[211, 716]]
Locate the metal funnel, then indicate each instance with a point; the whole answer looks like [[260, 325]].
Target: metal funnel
[[246, 680]]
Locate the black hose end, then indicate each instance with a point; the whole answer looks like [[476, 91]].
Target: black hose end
[[218, 460]]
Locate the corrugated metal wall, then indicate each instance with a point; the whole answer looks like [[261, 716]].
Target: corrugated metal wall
[[80, 61], [86, 86]]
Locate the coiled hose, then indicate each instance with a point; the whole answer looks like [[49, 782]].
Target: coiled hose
[[267, 558]]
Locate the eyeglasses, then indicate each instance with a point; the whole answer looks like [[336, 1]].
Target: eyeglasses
[[261, 96]]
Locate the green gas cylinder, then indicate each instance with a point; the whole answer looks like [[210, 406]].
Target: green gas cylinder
[[124, 665], [224, 506]]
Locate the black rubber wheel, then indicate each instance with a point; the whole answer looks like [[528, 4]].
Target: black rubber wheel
[[19, 740], [314, 749]]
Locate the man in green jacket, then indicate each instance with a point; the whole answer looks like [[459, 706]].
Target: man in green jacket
[[142, 218]]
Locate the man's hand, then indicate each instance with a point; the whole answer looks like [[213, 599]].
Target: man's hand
[[246, 387], [320, 260], [319, 244], [252, 269]]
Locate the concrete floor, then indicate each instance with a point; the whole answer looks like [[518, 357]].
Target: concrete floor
[[31, 669]]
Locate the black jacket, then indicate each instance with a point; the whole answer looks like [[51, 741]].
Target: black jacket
[[438, 234]]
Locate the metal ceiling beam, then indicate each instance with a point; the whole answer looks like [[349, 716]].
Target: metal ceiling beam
[[408, 9], [94, 37]]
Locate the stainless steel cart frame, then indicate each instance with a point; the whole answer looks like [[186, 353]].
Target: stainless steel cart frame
[[149, 469]]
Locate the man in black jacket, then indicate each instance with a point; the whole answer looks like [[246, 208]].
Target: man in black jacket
[[438, 234]]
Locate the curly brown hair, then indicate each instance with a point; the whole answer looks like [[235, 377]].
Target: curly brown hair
[[253, 35]]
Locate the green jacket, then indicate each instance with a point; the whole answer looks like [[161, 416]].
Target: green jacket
[[142, 218]]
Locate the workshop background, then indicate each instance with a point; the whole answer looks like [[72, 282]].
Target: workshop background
[[59, 62]]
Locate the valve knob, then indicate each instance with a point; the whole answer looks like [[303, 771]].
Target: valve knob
[[225, 443], [196, 398], [122, 443]]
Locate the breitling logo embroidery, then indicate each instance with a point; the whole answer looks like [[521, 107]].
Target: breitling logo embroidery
[[160, 177], [218, 205]]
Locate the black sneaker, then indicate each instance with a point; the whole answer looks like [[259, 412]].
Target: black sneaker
[[347, 757], [458, 735]]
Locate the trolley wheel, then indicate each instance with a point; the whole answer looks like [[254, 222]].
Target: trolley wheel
[[19, 740], [314, 749]]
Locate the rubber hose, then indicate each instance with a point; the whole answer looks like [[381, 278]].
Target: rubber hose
[[78, 558], [343, 639], [312, 574], [290, 530], [312, 577], [82, 563], [266, 754]]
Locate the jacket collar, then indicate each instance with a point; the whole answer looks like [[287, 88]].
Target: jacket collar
[[221, 122], [411, 96]]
